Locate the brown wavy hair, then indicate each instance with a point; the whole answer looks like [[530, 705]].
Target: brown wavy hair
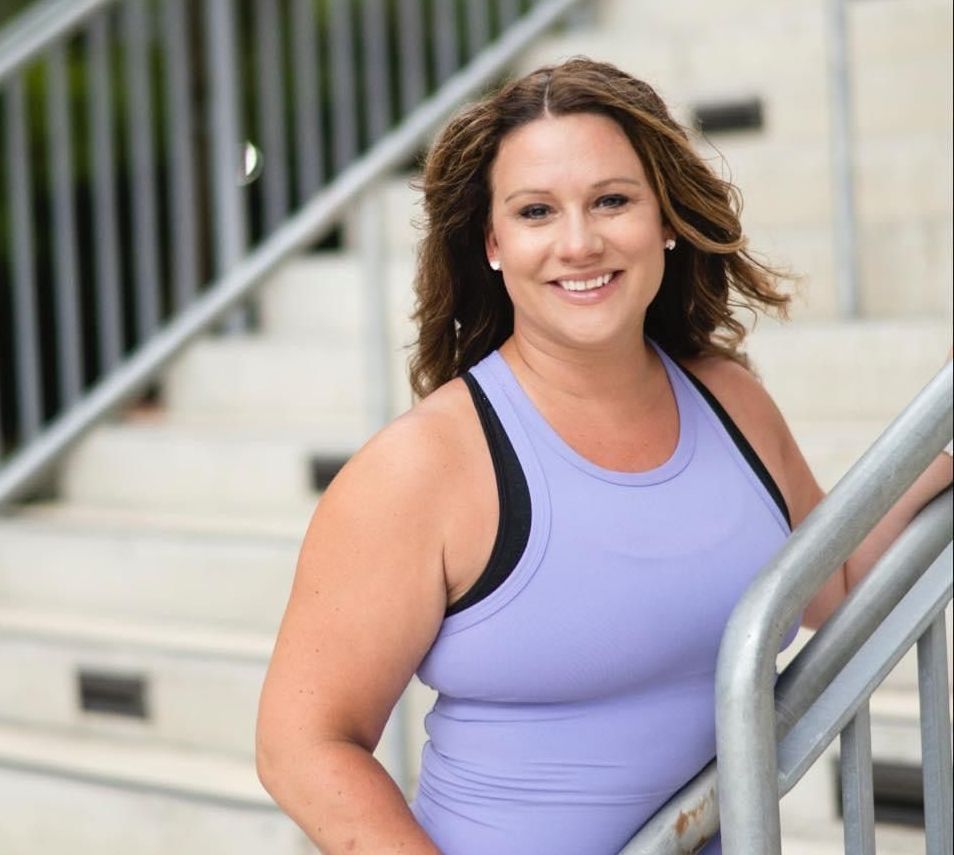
[[462, 309]]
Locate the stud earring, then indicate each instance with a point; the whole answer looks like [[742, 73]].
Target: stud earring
[[670, 244], [494, 264]]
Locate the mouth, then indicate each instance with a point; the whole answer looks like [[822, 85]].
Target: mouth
[[589, 283]]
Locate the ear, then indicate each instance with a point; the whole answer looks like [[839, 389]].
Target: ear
[[490, 245]]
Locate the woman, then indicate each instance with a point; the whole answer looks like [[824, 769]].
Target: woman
[[556, 534]]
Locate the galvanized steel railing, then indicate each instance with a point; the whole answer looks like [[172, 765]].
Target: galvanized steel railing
[[337, 95], [769, 733]]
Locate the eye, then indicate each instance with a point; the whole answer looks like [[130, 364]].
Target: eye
[[534, 212], [612, 200]]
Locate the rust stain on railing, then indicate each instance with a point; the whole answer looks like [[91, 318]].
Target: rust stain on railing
[[692, 838]]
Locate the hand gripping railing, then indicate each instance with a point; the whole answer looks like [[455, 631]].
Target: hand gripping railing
[[770, 732]]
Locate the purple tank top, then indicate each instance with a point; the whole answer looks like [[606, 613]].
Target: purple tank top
[[579, 695]]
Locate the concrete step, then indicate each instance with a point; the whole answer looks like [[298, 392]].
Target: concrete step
[[208, 470], [115, 568], [181, 685], [324, 293], [787, 183], [400, 206], [810, 821], [640, 15], [864, 371], [902, 268], [283, 523], [833, 447], [261, 380], [93, 794], [271, 380]]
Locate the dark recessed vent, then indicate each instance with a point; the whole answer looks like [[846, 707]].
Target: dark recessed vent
[[898, 793], [727, 116], [323, 469], [109, 693]]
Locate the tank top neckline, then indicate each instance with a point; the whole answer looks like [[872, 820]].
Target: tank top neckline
[[535, 421]]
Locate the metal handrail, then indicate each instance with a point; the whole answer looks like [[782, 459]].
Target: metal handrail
[[692, 815], [745, 675], [30, 464], [41, 26]]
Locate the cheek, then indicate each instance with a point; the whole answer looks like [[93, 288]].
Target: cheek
[[523, 249]]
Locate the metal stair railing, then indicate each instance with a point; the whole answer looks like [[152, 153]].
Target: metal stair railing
[[342, 134], [770, 732]]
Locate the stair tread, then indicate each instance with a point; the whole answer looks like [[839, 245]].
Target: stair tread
[[159, 426], [170, 638], [100, 522], [130, 763], [81, 517]]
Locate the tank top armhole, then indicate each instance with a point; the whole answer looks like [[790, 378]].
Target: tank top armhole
[[745, 448], [513, 529]]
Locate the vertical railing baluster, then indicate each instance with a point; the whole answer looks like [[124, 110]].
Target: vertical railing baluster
[[447, 56], [180, 155], [63, 233], [225, 139], [411, 54], [308, 120], [139, 116], [857, 790], [372, 249], [109, 328], [377, 94], [478, 26], [20, 191], [507, 12], [936, 738], [270, 99], [343, 93]]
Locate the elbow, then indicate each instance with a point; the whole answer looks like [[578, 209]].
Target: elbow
[[267, 762]]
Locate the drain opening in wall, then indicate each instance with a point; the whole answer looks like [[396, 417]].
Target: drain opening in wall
[[116, 694]]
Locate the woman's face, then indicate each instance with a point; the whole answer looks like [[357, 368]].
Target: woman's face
[[576, 228]]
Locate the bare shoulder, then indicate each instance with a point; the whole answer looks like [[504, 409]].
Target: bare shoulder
[[742, 394], [417, 451], [755, 413]]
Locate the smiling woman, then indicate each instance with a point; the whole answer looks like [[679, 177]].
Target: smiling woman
[[575, 223], [555, 535]]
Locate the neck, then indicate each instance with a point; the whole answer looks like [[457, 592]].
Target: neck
[[619, 374]]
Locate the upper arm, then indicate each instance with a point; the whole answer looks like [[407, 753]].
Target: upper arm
[[763, 425], [368, 595]]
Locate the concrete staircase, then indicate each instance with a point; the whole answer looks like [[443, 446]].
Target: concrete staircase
[[153, 585]]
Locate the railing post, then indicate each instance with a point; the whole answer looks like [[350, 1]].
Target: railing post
[[842, 162], [748, 764], [857, 790], [19, 188], [935, 738], [372, 242], [228, 198], [745, 710]]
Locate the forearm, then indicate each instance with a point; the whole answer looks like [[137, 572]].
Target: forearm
[[345, 801], [929, 484]]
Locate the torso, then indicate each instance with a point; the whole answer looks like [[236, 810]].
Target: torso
[[473, 506], [562, 685]]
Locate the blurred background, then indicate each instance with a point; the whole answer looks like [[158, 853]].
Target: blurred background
[[207, 239]]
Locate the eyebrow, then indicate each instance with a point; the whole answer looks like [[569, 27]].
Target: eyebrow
[[534, 192]]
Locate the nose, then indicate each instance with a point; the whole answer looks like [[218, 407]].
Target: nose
[[579, 238]]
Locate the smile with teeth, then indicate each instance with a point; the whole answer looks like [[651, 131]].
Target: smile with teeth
[[584, 284]]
